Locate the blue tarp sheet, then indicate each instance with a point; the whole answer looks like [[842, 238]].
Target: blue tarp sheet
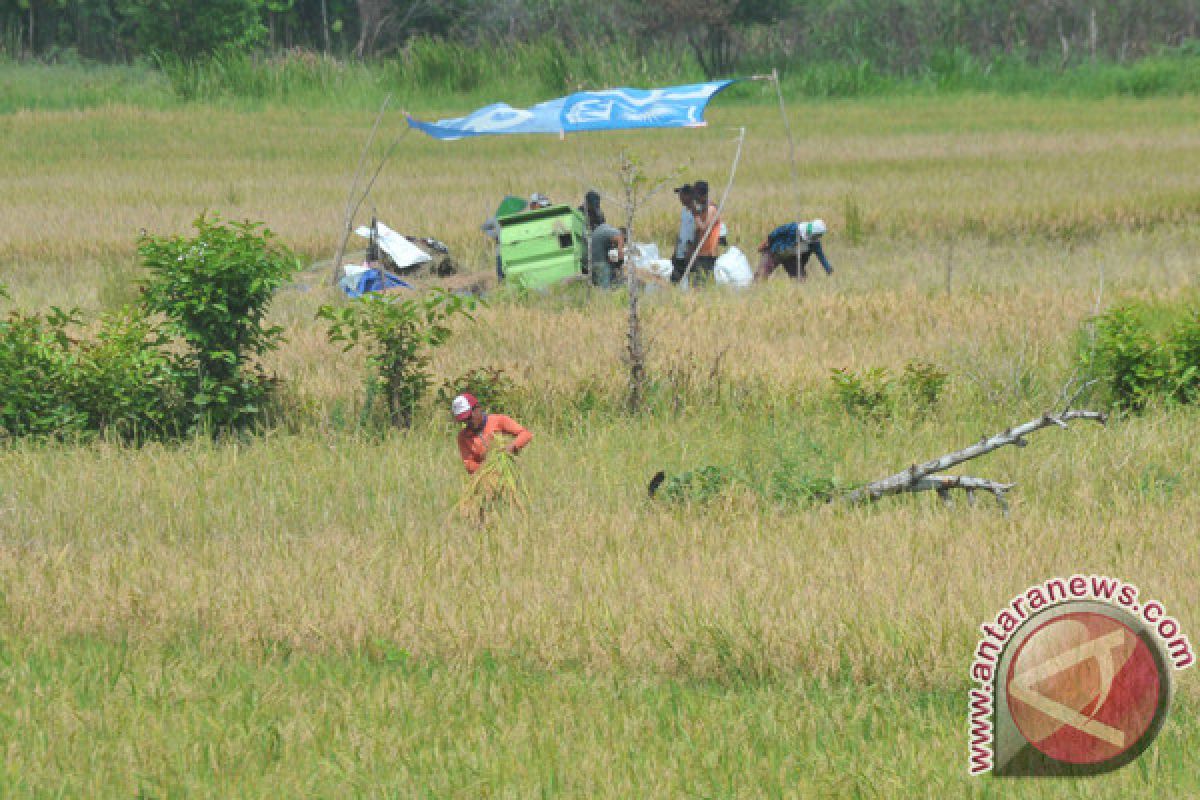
[[606, 110], [370, 281]]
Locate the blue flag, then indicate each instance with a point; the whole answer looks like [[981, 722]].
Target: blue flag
[[605, 110]]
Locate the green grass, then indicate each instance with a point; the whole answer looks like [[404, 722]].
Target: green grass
[[88, 717], [300, 613], [444, 73], [34, 87]]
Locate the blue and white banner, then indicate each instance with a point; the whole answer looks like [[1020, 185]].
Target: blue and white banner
[[606, 110]]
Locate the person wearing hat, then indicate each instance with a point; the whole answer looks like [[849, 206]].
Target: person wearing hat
[[479, 428], [687, 232], [790, 246]]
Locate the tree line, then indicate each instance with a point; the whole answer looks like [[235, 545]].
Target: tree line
[[898, 36]]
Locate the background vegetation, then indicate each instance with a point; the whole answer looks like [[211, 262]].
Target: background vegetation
[[301, 612], [256, 49]]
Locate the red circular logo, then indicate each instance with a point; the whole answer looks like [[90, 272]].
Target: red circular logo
[[1083, 688]]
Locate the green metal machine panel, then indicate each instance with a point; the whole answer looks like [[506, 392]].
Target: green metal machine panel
[[542, 246]]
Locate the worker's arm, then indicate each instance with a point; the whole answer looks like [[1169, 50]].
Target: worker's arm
[[820, 254], [513, 428], [468, 459]]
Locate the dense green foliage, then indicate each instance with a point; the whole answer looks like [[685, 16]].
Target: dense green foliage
[[896, 37], [214, 290], [188, 359], [398, 334], [56, 383], [491, 386], [1141, 354], [33, 349], [446, 74]]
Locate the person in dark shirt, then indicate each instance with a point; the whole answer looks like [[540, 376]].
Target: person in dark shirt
[[607, 254], [790, 246]]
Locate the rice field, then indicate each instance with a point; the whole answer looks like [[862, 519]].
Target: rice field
[[303, 613]]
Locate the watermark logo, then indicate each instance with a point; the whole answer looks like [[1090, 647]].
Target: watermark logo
[[1074, 678]]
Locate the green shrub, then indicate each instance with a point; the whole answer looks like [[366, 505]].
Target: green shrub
[[397, 334], [923, 383], [35, 354], [122, 382], [52, 384], [700, 485], [870, 393], [214, 290], [491, 386], [788, 483], [1184, 345], [1131, 365], [876, 393], [796, 483]]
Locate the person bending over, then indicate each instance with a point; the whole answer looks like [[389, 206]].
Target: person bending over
[[790, 246]]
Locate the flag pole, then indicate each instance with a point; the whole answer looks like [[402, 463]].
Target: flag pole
[[787, 128]]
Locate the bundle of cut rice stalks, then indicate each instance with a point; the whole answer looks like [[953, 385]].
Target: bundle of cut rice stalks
[[494, 486]]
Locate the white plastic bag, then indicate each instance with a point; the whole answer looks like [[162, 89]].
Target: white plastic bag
[[733, 269]]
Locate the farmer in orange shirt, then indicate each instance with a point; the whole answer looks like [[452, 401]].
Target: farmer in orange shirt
[[478, 429], [708, 221]]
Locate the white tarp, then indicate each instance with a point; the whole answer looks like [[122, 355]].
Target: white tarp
[[403, 253]]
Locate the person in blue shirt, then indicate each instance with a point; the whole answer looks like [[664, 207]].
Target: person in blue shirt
[[790, 246]]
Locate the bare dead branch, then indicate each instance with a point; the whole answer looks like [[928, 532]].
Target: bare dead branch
[[922, 477], [942, 484]]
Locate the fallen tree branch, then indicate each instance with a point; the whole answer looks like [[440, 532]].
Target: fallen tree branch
[[942, 484], [922, 477]]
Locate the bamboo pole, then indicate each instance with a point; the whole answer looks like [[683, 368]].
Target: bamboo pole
[[351, 207]]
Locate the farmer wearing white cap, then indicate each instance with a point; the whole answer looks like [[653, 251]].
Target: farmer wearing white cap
[[479, 428], [790, 246]]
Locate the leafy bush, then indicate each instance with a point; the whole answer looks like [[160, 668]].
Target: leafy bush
[[871, 393], [187, 29], [795, 483], [876, 393], [122, 382], [397, 334], [34, 359], [52, 384], [1132, 365], [490, 385], [788, 483], [700, 485], [214, 290], [923, 382], [1184, 344]]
